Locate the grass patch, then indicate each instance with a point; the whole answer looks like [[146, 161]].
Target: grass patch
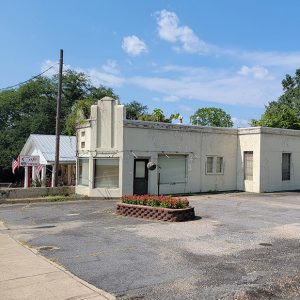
[[59, 198]]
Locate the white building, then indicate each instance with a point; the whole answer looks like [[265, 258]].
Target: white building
[[113, 153], [44, 146]]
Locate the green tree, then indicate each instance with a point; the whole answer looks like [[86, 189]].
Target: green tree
[[28, 109], [285, 112], [81, 108], [158, 116], [31, 108], [211, 116], [80, 111], [134, 110]]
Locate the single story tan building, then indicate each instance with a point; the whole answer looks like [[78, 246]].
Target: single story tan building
[[113, 154]]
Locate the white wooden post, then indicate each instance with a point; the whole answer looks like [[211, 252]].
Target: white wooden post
[[43, 176], [26, 178], [33, 176], [52, 177]]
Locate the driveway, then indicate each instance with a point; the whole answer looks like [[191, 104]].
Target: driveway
[[244, 246]]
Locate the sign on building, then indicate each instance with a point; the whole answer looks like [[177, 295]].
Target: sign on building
[[29, 160]]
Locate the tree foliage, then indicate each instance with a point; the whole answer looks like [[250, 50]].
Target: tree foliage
[[134, 110], [137, 111], [31, 108], [285, 112], [211, 116]]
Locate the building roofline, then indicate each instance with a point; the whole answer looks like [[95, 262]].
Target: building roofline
[[177, 127], [206, 129]]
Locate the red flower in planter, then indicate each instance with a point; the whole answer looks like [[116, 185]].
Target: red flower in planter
[[157, 201]]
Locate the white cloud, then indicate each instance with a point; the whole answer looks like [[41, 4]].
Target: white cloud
[[111, 67], [99, 77], [185, 39], [246, 87], [133, 46], [155, 99], [219, 87], [108, 75], [257, 72], [170, 98], [169, 30], [279, 59], [48, 64]]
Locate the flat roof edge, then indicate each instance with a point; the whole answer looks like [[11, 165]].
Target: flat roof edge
[[179, 127]]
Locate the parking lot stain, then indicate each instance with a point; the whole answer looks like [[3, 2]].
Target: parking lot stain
[[265, 244]]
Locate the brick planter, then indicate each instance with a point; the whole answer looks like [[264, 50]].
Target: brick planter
[[155, 213]]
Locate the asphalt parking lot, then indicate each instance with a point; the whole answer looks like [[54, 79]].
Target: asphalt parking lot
[[244, 246]]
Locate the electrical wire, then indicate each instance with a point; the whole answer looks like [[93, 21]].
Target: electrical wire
[[34, 77]]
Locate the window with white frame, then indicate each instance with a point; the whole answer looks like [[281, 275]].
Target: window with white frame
[[210, 165], [83, 171], [219, 165], [286, 166], [214, 164], [172, 169], [248, 165], [106, 173]]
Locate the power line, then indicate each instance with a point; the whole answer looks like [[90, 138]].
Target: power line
[[36, 76]]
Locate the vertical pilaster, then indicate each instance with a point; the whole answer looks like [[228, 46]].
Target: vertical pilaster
[[91, 173]]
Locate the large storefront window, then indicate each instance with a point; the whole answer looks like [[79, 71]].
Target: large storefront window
[[83, 171], [106, 173]]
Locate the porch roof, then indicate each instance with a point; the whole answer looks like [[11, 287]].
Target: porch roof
[[45, 146]]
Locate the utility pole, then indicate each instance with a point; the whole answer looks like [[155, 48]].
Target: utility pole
[[57, 127]]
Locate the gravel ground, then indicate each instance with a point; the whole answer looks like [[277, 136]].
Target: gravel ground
[[241, 246]]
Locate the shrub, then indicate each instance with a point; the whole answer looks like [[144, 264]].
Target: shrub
[[157, 201]]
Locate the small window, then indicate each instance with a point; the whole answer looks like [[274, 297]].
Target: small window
[[286, 166], [214, 165], [82, 133], [219, 166], [82, 145], [209, 164], [248, 165], [140, 169]]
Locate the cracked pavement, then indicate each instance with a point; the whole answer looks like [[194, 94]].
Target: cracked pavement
[[241, 246]]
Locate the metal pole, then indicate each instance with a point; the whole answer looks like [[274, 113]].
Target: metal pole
[[158, 183], [57, 127]]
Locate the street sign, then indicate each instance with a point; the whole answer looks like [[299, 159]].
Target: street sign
[[29, 160]]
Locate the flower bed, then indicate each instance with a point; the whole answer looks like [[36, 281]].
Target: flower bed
[[157, 201], [165, 208]]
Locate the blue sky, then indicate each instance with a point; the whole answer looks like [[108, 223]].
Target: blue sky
[[176, 55]]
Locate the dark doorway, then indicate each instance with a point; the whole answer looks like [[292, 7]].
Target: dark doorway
[[140, 179]]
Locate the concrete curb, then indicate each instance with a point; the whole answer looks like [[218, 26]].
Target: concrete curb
[[49, 200]]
